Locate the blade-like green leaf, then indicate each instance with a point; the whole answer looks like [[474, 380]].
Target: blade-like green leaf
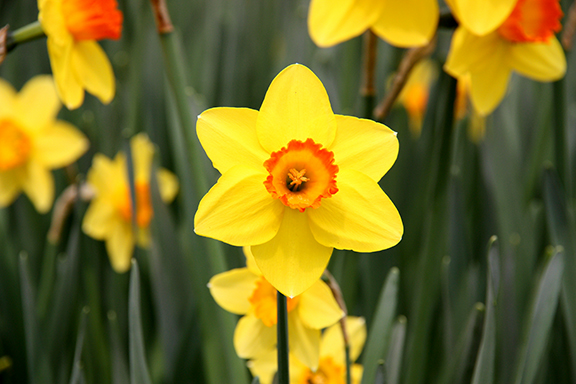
[[394, 356], [76, 376], [30, 322], [139, 373]]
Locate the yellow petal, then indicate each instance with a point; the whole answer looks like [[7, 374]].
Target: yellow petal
[[265, 366], [539, 61], [143, 237], [250, 262], [105, 175], [39, 186], [488, 86], [333, 21], [293, 260], [482, 17], [68, 85], [238, 210], [357, 371], [252, 337], [120, 246], [51, 17], [296, 106], [303, 342], [93, 70], [7, 98], [59, 145], [228, 135], [364, 145], [168, 184], [232, 289], [10, 186], [38, 95], [407, 23], [317, 307], [100, 218], [332, 343], [359, 216], [142, 155]]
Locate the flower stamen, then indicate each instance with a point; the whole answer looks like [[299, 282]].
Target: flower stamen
[[297, 178]]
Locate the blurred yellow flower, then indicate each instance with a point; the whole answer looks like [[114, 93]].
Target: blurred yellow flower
[[244, 291], [405, 23], [481, 17], [78, 63], [32, 142], [109, 216], [524, 43], [278, 191], [332, 366]]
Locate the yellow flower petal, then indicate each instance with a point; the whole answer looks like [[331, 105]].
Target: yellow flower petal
[[357, 371], [142, 155], [238, 210], [359, 216], [407, 23], [232, 289], [67, 84], [99, 219], [10, 186], [228, 135], [252, 337], [317, 307], [7, 97], [265, 367], [250, 262], [105, 175], [39, 186], [296, 107], [364, 145], [293, 260], [303, 342], [539, 61], [38, 95], [93, 70], [143, 237], [333, 21], [488, 87], [482, 17], [168, 184], [120, 246], [59, 145], [332, 343]]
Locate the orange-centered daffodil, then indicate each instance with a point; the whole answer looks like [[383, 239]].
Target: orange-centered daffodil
[[405, 23], [297, 181], [332, 364], [244, 291], [78, 62], [110, 215], [523, 42], [33, 142]]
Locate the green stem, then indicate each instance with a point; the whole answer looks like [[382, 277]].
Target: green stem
[[27, 33], [348, 365], [559, 129], [282, 332]]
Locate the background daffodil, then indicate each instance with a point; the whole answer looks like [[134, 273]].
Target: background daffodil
[[109, 216], [401, 23], [32, 142], [244, 291], [481, 17], [78, 62], [524, 43], [297, 181], [332, 366]]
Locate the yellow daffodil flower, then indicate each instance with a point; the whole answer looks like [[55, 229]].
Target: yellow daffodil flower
[[405, 23], [78, 62], [244, 291], [297, 181], [481, 17], [524, 43], [109, 216], [332, 366], [32, 142]]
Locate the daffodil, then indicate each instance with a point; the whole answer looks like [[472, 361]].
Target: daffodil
[[405, 23], [73, 28], [524, 43], [481, 17], [244, 291], [332, 366], [109, 216], [33, 142], [297, 181]]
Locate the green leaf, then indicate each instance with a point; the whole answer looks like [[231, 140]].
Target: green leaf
[[395, 352], [77, 374], [381, 328], [139, 373], [30, 321]]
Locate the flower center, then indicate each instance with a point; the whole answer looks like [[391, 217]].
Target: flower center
[[532, 21], [328, 372], [144, 212], [301, 174], [14, 145], [264, 302], [92, 19]]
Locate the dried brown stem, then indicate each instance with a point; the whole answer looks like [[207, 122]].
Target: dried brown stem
[[569, 28], [63, 208], [163, 22], [410, 59], [337, 292], [369, 67], [3, 43]]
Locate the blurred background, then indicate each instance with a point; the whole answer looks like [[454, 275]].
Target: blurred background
[[486, 289]]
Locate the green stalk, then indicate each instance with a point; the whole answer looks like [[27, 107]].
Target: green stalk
[[27, 33], [559, 128], [348, 364], [282, 333]]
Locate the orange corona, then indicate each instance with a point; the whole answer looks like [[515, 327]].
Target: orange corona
[[14, 146], [92, 19], [532, 21], [264, 302]]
